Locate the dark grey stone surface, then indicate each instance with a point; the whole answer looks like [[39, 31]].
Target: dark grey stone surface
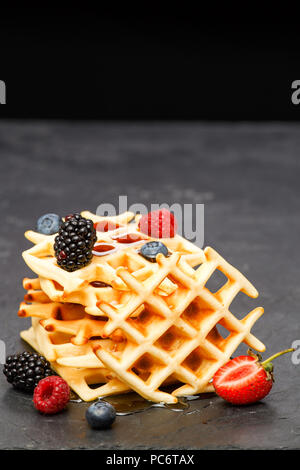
[[247, 176]]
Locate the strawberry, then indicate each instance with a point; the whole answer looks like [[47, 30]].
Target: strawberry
[[245, 379], [158, 224]]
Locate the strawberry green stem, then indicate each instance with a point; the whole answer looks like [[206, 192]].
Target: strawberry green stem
[[264, 363]]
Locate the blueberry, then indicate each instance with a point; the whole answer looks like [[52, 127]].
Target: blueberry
[[48, 224], [100, 415], [151, 249]]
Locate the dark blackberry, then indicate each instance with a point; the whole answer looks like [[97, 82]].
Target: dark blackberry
[[74, 242], [25, 370]]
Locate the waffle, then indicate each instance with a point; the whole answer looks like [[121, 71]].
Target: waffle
[[151, 325], [68, 343], [79, 379], [76, 287], [180, 336]]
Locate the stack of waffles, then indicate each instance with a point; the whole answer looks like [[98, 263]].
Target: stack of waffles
[[123, 323]]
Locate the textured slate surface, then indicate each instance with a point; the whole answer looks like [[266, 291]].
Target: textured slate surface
[[248, 178]]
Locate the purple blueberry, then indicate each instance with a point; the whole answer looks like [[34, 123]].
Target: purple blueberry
[[100, 415], [48, 224]]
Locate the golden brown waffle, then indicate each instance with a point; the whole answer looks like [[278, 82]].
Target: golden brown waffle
[[177, 335], [68, 319], [76, 287], [78, 378], [75, 361], [154, 324], [66, 336]]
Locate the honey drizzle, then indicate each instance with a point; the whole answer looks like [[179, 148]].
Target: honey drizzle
[[131, 403]]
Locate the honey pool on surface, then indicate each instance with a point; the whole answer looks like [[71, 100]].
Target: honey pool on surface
[[130, 403]]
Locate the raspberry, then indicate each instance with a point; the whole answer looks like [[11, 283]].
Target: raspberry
[[51, 395], [158, 224]]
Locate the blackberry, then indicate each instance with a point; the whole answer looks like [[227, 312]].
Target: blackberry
[[25, 370], [74, 243]]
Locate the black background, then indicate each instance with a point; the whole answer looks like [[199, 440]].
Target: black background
[[86, 63]]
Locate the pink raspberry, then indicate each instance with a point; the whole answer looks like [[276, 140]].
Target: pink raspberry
[[159, 224], [51, 395]]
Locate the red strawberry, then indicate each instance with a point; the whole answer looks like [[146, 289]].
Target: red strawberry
[[244, 379], [158, 224]]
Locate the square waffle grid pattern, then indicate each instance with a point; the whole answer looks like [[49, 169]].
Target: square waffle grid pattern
[[187, 318], [162, 312], [62, 286], [68, 342], [78, 378]]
